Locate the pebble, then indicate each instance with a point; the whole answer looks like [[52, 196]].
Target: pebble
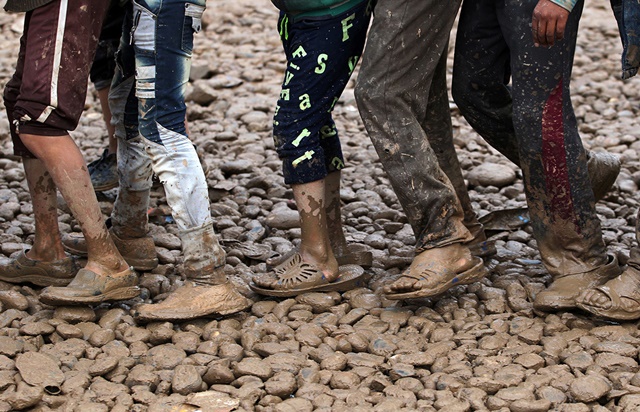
[[589, 388], [491, 174]]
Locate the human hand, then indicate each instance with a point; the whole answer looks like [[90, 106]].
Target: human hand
[[548, 23]]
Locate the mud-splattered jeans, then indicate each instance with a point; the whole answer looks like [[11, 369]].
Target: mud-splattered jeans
[[401, 112], [532, 123], [147, 102]]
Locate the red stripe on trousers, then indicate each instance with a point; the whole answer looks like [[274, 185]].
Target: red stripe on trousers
[[554, 157]]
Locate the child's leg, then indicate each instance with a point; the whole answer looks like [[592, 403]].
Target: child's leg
[[163, 43], [334, 213], [44, 119], [46, 245], [321, 56], [61, 159]]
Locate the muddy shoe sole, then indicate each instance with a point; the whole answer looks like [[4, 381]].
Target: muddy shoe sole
[[192, 301], [90, 288]]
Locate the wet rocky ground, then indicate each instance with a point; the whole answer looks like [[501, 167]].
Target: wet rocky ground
[[479, 347]]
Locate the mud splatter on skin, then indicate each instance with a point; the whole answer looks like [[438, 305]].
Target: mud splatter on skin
[[334, 224], [315, 207], [44, 184]]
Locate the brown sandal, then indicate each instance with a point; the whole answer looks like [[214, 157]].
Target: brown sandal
[[623, 293], [295, 276], [563, 291], [355, 255], [430, 267]]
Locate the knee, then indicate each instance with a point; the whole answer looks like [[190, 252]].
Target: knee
[[370, 98]]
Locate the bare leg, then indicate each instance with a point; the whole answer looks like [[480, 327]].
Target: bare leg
[[334, 215], [315, 247], [61, 158], [47, 246], [103, 96]]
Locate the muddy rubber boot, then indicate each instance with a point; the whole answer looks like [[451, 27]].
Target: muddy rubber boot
[[563, 291], [603, 168], [206, 291]]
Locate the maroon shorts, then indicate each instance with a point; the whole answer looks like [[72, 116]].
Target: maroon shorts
[[46, 94]]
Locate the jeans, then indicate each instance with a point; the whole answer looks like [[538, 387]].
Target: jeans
[[149, 112], [627, 14]]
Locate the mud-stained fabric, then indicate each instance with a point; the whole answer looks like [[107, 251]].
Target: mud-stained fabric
[[18, 6], [104, 62], [627, 14], [531, 122], [406, 42], [321, 55], [47, 91], [439, 129], [148, 109], [149, 112]]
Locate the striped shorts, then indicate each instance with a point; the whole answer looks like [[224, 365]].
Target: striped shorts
[[46, 95]]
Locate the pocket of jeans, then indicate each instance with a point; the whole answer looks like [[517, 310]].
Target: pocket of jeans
[[192, 24], [143, 32]]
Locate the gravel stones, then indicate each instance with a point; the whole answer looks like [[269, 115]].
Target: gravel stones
[[491, 174], [476, 347]]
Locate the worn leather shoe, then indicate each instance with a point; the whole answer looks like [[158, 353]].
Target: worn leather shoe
[[22, 269], [192, 301], [139, 253], [88, 288]]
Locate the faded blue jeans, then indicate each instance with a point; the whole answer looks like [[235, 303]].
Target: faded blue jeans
[[149, 112]]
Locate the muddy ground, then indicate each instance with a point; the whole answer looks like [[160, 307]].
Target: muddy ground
[[479, 347]]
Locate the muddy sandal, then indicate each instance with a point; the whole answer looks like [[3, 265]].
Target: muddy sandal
[[251, 250], [295, 276], [562, 293], [355, 255], [431, 269], [623, 293], [477, 272]]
